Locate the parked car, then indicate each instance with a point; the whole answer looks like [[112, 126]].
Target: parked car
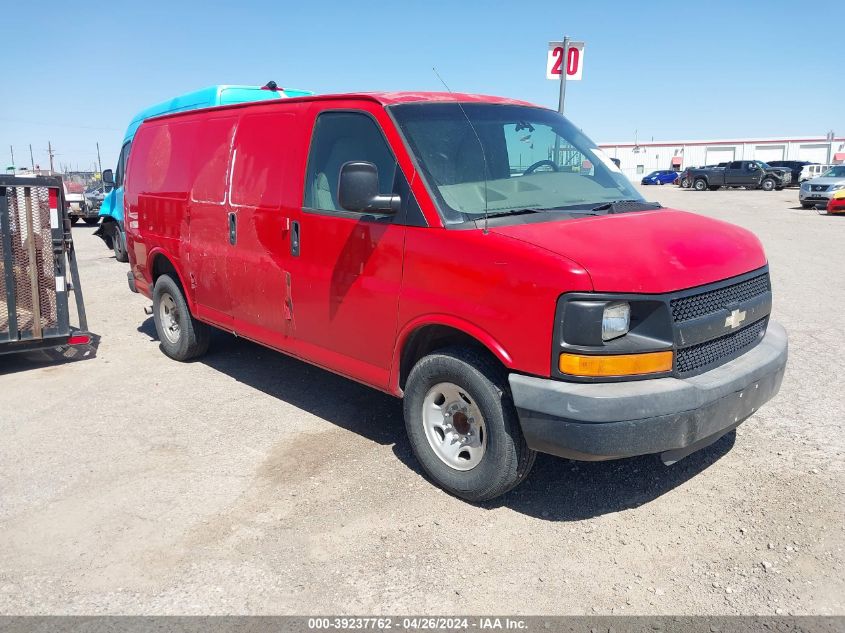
[[813, 170], [837, 202], [77, 205], [819, 191], [660, 177], [95, 195], [794, 166], [383, 237], [752, 174]]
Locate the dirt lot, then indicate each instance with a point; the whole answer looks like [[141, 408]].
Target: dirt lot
[[248, 482]]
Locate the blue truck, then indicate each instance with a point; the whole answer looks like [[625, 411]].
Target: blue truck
[[111, 228]]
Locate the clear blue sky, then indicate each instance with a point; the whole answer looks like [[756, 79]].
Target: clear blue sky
[[667, 69]]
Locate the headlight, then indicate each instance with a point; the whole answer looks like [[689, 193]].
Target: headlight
[[616, 320], [837, 187]]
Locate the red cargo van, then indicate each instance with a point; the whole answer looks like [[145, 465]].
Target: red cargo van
[[479, 257]]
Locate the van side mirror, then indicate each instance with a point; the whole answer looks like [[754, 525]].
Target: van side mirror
[[357, 190], [108, 177]]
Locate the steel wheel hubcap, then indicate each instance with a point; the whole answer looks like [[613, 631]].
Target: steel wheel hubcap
[[169, 317], [454, 426]]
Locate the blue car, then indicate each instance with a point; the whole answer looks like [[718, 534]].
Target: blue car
[[660, 177]]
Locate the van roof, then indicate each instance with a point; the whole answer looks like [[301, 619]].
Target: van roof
[[383, 98], [221, 95]]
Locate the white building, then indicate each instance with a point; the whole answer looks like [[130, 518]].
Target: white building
[[638, 159]]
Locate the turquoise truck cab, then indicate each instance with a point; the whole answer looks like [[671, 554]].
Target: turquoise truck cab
[[111, 228]]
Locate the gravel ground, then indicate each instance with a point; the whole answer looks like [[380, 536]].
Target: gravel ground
[[248, 482]]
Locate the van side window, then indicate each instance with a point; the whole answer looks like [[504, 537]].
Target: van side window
[[340, 137], [121, 165]]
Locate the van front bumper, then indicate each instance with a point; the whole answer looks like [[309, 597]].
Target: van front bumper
[[674, 416]]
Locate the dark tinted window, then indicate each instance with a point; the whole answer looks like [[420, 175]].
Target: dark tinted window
[[121, 165], [340, 137], [735, 165]]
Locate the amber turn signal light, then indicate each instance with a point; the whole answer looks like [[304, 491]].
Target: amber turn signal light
[[619, 365]]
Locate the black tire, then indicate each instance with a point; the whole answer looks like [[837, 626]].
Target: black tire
[[804, 205], [699, 184], [191, 338], [92, 221], [506, 460], [767, 184], [685, 183], [118, 245]]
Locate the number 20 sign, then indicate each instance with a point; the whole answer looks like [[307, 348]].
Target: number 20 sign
[[572, 63]]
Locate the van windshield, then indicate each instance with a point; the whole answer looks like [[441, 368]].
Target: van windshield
[[512, 159]]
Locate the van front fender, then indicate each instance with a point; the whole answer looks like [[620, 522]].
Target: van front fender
[[450, 321]]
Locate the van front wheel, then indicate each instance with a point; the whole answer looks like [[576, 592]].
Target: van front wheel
[[182, 337], [463, 426], [119, 245]]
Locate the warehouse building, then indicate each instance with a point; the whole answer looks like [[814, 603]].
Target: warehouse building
[[638, 159]]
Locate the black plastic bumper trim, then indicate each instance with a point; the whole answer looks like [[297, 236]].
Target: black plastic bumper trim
[[613, 420]]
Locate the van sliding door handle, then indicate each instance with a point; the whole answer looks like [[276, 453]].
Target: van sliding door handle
[[233, 228], [294, 238]]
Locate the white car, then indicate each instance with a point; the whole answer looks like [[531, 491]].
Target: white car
[[818, 191]]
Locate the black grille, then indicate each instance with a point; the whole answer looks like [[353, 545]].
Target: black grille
[[819, 187], [692, 307], [697, 357]]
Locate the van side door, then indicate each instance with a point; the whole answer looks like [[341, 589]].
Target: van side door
[[265, 190], [348, 266], [209, 241]]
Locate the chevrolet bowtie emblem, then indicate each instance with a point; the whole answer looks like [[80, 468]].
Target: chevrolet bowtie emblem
[[735, 319]]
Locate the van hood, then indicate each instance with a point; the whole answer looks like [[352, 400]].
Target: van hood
[[647, 251]]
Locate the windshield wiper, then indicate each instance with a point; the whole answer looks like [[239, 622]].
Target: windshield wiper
[[499, 214], [623, 206]]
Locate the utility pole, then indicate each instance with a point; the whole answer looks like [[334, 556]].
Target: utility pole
[[12, 149], [31, 159], [50, 153], [99, 163]]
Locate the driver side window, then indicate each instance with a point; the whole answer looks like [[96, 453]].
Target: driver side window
[[340, 137], [121, 165]]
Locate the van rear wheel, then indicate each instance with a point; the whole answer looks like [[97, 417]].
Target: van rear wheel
[[182, 337], [463, 426]]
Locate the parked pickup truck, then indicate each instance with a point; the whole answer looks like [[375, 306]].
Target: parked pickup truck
[[77, 206], [751, 174], [479, 257]]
